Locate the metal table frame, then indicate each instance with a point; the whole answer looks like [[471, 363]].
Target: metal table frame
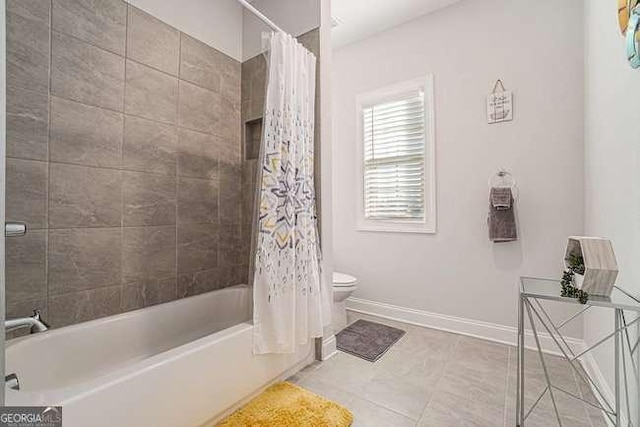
[[532, 291]]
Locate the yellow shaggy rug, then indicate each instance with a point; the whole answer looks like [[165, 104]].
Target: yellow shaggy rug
[[287, 405]]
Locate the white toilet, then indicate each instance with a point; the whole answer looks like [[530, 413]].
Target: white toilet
[[343, 287]]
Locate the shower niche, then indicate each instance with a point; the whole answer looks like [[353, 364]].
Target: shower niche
[[253, 133]]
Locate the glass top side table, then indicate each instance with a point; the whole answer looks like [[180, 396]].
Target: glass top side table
[[532, 292]]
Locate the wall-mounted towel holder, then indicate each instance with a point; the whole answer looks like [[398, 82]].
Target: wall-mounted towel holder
[[503, 178]]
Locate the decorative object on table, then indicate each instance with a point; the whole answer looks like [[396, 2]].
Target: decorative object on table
[[592, 265], [286, 404], [625, 9], [574, 275], [633, 37], [367, 340], [502, 218], [499, 104]]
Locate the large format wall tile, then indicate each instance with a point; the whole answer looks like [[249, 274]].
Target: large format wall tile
[[83, 306], [148, 199], [149, 146], [27, 124], [230, 121], [247, 240], [27, 53], [150, 93], [190, 284], [137, 295], [85, 73], [148, 254], [85, 135], [236, 275], [199, 108], [248, 202], [231, 197], [197, 247], [230, 245], [200, 63], [254, 76], [249, 172], [82, 259], [230, 83], [245, 81], [34, 10], [27, 266], [198, 154], [230, 156], [244, 113], [23, 309], [84, 197], [101, 23], [197, 201], [122, 167], [256, 109], [27, 192], [152, 42]]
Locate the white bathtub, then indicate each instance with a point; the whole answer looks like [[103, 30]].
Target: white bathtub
[[177, 364]]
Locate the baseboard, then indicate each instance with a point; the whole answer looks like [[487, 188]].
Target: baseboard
[[593, 370], [489, 331]]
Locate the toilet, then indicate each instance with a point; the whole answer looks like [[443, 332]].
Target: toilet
[[343, 287]]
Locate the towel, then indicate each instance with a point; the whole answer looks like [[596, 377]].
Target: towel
[[501, 197], [502, 218]]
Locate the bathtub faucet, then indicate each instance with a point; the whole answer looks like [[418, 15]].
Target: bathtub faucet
[[35, 322]]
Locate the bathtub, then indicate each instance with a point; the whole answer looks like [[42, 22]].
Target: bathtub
[[177, 364]]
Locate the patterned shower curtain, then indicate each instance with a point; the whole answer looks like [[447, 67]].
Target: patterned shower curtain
[[287, 289]]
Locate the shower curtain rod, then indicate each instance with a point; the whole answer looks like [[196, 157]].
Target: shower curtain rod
[[260, 16]]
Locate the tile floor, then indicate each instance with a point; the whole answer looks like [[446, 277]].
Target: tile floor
[[438, 379]]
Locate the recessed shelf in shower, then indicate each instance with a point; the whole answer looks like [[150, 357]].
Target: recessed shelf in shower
[[253, 134]]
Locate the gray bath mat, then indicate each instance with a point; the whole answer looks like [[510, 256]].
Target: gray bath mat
[[368, 340]]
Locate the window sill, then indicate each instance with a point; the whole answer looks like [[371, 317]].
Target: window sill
[[396, 228]]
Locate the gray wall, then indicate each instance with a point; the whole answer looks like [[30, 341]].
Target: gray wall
[[124, 159]]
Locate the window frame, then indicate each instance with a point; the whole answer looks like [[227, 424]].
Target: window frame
[[389, 93]]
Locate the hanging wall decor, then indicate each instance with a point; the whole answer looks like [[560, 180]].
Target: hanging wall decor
[[499, 104], [633, 37], [625, 7]]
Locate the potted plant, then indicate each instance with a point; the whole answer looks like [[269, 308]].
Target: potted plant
[[575, 264], [592, 264]]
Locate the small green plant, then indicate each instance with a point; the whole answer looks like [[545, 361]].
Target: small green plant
[[576, 263], [576, 266]]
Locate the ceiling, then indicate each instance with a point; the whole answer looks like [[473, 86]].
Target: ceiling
[[358, 19]]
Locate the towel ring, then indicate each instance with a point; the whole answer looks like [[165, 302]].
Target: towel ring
[[632, 44], [504, 179]]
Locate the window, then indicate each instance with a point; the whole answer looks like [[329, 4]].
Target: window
[[396, 173]]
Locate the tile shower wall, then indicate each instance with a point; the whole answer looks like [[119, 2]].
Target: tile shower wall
[[124, 159], [254, 80]]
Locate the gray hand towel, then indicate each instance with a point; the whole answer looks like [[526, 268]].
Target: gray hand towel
[[502, 218], [501, 197]]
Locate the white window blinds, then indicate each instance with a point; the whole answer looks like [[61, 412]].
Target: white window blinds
[[394, 158]]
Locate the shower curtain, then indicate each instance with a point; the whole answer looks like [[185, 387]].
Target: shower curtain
[[289, 298]]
